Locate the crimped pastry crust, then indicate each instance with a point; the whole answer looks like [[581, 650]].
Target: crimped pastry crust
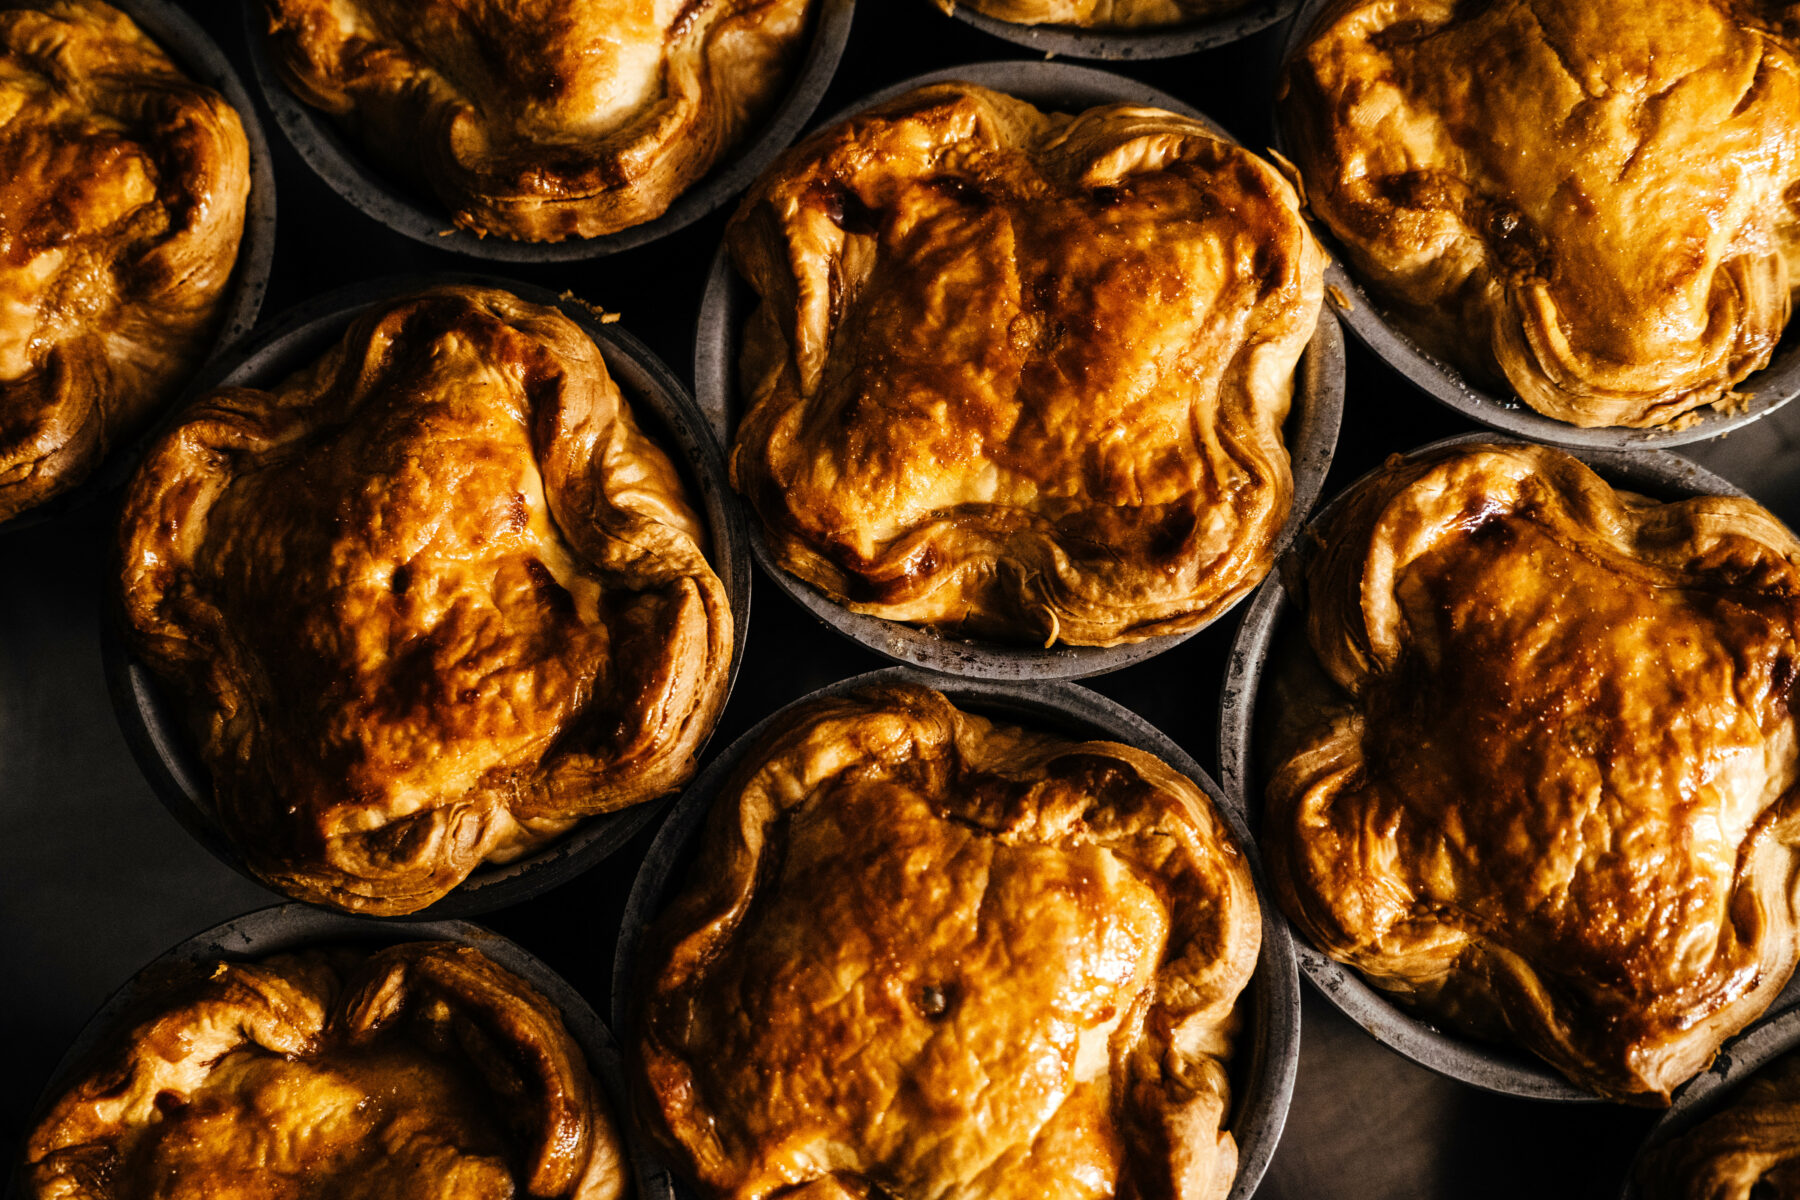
[[1022, 375], [547, 119], [925, 956], [422, 1070], [1594, 202], [430, 602], [1099, 14], [122, 194], [1749, 1149], [1545, 786]]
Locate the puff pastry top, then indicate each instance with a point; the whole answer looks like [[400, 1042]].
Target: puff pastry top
[[929, 958], [1546, 786], [430, 601], [545, 119], [1098, 14], [1595, 201], [1750, 1149], [423, 1070], [1022, 374], [122, 194]]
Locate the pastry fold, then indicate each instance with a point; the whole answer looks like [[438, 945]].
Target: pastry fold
[[1750, 1148]]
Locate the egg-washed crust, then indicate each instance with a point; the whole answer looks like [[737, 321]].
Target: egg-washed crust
[[122, 193], [429, 602], [1592, 202], [1147, 15], [549, 119], [1022, 375], [1545, 786], [927, 957], [1749, 1149], [423, 1069]]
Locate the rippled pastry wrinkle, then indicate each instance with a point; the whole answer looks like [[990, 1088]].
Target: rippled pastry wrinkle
[[423, 1070], [547, 119], [431, 600], [1022, 375], [1099, 14], [925, 956], [1595, 202], [1546, 785], [1749, 1149], [122, 194]]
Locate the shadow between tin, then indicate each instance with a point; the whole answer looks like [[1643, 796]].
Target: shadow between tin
[[285, 928], [411, 209], [1769, 388], [1262, 1073], [1269, 628], [200, 58], [1164, 41], [151, 718], [1311, 430]]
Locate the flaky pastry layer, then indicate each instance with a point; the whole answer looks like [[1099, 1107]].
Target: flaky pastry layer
[[1099, 14], [122, 193], [422, 1070], [547, 119], [1022, 375], [926, 957], [1541, 782], [1750, 1149], [1594, 202], [429, 602]]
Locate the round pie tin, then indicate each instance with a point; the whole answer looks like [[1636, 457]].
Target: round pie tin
[[413, 211], [201, 60], [1262, 1074], [151, 718], [289, 927], [1768, 389], [1272, 623], [1166, 41], [1311, 431]]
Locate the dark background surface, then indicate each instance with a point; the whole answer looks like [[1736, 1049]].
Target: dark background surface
[[96, 878]]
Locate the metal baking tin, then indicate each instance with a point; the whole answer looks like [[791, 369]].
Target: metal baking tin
[[285, 928], [201, 60], [413, 211], [1271, 620], [151, 719], [1311, 431], [1769, 388], [1262, 1074], [1165, 41]]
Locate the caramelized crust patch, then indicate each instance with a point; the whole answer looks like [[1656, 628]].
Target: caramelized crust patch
[[1022, 375], [122, 193], [431, 601], [1546, 783], [923, 956]]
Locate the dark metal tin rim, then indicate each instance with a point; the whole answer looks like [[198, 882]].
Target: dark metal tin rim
[[1490, 1068], [1123, 44], [201, 60], [1317, 411], [1770, 388], [151, 720], [287, 927], [342, 165], [1259, 1107]]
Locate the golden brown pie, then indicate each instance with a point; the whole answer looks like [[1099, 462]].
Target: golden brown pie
[[423, 1070], [1748, 1151], [1022, 375], [1545, 785], [927, 957], [122, 193], [1099, 14], [546, 119], [1594, 202], [430, 602]]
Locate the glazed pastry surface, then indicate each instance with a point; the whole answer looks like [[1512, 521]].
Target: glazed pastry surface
[[423, 1070], [924, 956], [1022, 375], [548, 119], [429, 602], [1592, 202], [1545, 785], [1749, 1150], [122, 193], [1099, 14]]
